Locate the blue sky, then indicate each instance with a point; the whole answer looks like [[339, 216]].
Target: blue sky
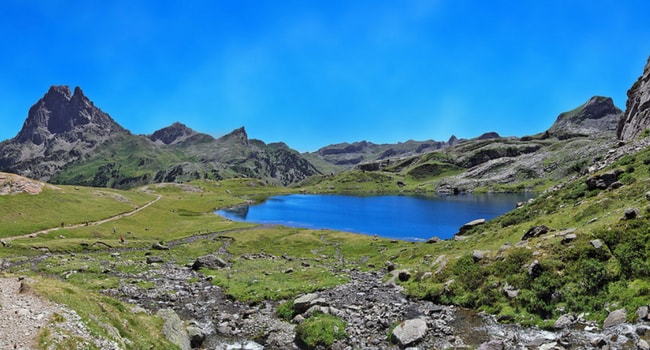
[[313, 73]]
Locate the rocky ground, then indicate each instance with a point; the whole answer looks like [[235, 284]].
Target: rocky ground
[[24, 315], [370, 306]]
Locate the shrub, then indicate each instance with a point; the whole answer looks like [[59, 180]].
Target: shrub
[[320, 329]]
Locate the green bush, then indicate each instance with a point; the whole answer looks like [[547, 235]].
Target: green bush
[[320, 329], [285, 310]]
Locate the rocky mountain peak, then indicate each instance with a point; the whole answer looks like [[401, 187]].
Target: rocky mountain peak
[[61, 127], [59, 112], [237, 135], [174, 133], [636, 118], [597, 116]]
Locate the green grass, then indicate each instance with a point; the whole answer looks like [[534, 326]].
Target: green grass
[[141, 329], [320, 330], [23, 213]]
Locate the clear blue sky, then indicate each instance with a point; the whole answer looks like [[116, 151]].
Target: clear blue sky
[[313, 73]]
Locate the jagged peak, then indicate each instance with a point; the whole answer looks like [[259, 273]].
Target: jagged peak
[[174, 133], [237, 134]]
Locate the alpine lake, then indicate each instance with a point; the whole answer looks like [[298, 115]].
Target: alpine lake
[[403, 217]]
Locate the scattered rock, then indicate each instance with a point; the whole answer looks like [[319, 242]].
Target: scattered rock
[[603, 181], [154, 260], [563, 321], [159, 246], [614, 318], [410, 332], [596, 243], [631, 213], [478, 255], [304, 302], [196, 335], [642, 312], [173, 328], [434, 239], [511, 292], [535, 231], [470, 225], [535, 268], [569, 238], [389, 266], [642, 345], [404, 275], [494, 344], [210, 261]]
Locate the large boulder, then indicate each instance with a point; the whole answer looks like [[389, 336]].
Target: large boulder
[[603, 181], [535, 231], [303, 303], [410, 332], [470, 225], [210, 261], [173, 329], [615, 318]]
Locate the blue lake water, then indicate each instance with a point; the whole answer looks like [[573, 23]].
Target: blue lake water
[[403, 217]]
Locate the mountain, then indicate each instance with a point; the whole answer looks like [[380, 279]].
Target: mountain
[[636, 120], [576, 141], [342, 156], [597, 116], [67, 139], [60, 128]]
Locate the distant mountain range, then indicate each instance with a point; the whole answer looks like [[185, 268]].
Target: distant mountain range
[[67, 139]]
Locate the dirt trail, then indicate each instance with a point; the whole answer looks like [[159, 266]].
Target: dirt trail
[[93, 223], [24, 315]]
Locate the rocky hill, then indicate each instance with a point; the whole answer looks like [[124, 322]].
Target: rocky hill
[[67, 139], [636, 120], [60, 128], [576, 141], [342, 156]]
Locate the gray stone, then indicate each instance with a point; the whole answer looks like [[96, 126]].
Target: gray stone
[[642, 345], [597, 243], [404, 275], [301, 304], [173, 328], [642, 312], [196, 335], [410, 332], [631, 213], [159, 246], [470, 225], [535, 268], [210, 261], [569, 238], [494, 344], [615, 318], [478, 255], [647, 196], [535, 231], [154, 259], [563, 321]]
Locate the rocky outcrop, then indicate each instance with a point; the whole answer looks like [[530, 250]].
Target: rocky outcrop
[[636, 118], [172, 134], [14, 184], [598, 116], [60, 128]]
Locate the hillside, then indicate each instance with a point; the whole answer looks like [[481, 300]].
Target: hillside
[[576, 141]]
